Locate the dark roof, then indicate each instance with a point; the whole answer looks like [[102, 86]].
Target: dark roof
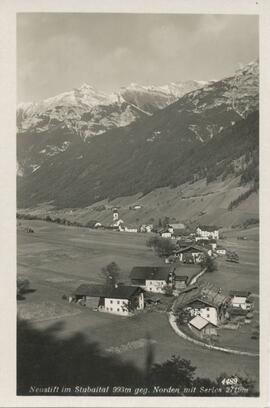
[[204, 294], [241, 293], [189, 270], [151, 272], [177, 231], [184, 243], [209, 228], [90, 290], [123, 292], [119, 292], [188, 248]]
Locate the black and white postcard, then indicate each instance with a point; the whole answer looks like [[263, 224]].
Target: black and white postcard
[[135, 257]]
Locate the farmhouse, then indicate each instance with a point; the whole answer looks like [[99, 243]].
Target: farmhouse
[[239, 299], [127, 229], [202, 327], [184, 274], [181, 282], [146, 227], [153, 279], [205, 301], [220, 250], [178, 226], [184, 242], [119, 299], [166, 233], [208, 231], [192, 254]]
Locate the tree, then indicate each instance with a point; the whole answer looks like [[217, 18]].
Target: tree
[[162, 246], [209, 264], [152, 242], [165, 222], [168, 290], [91, 223], [111, 273], [22, 287], [174, 372]]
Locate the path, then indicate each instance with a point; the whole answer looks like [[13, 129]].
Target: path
[[172, 320]]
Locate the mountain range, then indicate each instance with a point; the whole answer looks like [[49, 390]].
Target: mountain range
[[83, 146], [90, 112]]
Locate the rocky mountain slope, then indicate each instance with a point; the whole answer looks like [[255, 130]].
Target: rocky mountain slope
[[209, 134], [90, 112]]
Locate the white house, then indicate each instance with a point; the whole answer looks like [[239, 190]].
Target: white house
[[166, 233], [204, 301], [118, 224], [146, 228], [202, 327], [192, 254], [207, 231], [220, 250], [121, 299], [178, 226], [153, 279], [127, 229], [239, 299]]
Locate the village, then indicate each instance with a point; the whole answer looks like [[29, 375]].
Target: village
[[193, 292], [201, 309]]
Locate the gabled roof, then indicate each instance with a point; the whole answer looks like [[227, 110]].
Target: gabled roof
[[90, 290], [151, 272], [191, 247], [209, 228], [179, 226], [123, 292], [119, 292], [204, 294], [199, 322]]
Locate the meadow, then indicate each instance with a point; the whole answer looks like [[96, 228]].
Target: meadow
[[56, 259]]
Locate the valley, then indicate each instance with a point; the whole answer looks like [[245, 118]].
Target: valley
[[56, 259], [161, 151], [188, 203]]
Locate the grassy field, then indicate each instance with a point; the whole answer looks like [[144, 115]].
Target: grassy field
[[56, 259]]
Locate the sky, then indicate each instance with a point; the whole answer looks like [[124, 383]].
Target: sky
[[57, 52]]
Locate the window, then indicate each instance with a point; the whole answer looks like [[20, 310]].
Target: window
[[150, 288], [208, 315], [111, 309], [117, 310], [118, 302], [111, 301], [150, 283], [107, 308], [207, 309]]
